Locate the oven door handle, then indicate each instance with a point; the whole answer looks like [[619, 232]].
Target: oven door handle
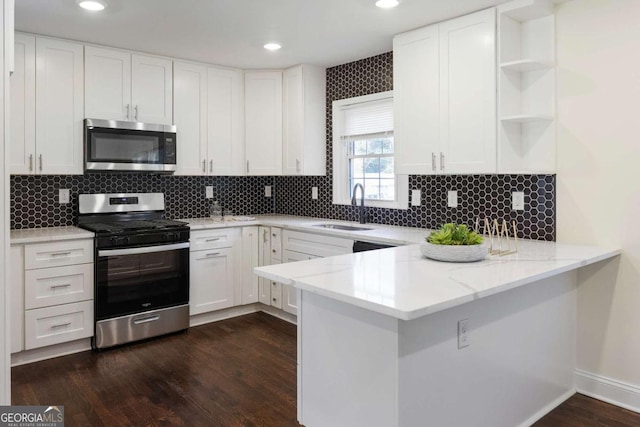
[[143, 250]]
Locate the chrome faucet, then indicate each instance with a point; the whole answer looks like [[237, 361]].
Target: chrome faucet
[[353, 200]]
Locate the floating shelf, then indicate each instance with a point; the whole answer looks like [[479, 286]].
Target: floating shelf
[[526, 118], [524, 65]]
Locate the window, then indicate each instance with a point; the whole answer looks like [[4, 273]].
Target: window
[[363, 152]]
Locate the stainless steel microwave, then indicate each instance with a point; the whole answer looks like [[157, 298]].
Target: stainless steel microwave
[[114, 146]]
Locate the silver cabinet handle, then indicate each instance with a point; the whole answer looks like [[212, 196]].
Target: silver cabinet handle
[[212, 254], [442, 161], [60, 325], [146, 320], [127, 115], [433, 161], [40, 162], [30, 162], [210, 166], [204, 166], [297, 166], [61, 254], [213, 240], [247, 166], [135, 113], [66, 285]]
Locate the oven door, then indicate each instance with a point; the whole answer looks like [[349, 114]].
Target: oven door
[[133, 280], [126, 146]]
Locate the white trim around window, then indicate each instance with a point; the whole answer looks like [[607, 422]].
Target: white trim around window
[[341, 194]]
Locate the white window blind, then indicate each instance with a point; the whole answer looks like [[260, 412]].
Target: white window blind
[[367, 120]]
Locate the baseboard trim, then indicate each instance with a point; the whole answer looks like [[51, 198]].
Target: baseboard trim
[[548, 408], [608, 390], [276, 312], [50, 352]]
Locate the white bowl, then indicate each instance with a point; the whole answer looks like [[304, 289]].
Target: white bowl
[[455, 253]]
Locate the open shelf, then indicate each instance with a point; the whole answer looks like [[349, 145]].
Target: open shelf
[[524, 65], [527, 10], [526, 118]]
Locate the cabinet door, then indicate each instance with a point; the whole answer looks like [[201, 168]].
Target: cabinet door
[[151, 89], [264, 258], [468, 94], [22, 149], [225, 120], [293, 120], [250, 260], [211, 280], [190, 114], [263, 122], [107, 86], [16, 290], [416, 101], [59, 107], [289, 293]]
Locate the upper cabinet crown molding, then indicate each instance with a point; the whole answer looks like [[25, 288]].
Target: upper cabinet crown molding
[[444, 97], [130, 87]]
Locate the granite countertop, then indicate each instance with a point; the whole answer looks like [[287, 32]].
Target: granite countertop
[[48, 234], [401, 283]]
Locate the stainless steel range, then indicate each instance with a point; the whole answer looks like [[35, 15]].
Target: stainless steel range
[[141, 267]]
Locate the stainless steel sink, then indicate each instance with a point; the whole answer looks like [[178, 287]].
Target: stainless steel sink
[[342, 227]]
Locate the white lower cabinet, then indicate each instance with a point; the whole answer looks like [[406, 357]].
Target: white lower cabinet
[[52, 293], [213, 269], [250, 260], [289, 293]]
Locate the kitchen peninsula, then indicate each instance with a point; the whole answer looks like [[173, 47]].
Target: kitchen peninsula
[[381, 342]]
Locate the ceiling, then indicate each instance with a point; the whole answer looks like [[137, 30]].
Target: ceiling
[[232, 32]]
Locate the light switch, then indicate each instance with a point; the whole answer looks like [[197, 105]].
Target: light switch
[[267, 191], [452, 199], [415, 197], [314, 193], [517, 200], [63, 195], [208, 191]]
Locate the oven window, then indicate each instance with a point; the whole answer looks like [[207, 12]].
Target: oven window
[[134, 283], [125, 148]]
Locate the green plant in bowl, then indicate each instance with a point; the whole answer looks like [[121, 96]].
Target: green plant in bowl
[[451, 234]]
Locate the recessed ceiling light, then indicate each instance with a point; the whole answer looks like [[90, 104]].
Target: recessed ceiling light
[[272, 46], [387, 4], [92, 5]]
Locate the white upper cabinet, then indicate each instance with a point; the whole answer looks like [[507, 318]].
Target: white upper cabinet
[[416, 100], [22, 149], [151, 89], [445, 97], [59, 106], [107, 84], [190, 117], [225, 121], [263, 122], [304, 134], [468, 93], [131, 87]]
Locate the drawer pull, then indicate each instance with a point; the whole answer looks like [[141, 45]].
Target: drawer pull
[[273, 250], [146, 320], [60, 325], [274, 300], [61, 253], [212, 254], [66, 285], [212, 240]]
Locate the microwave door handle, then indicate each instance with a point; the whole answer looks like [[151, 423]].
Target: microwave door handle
[[145, 250]]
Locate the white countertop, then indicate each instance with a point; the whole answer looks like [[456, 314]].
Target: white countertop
[[400, 282], [47, 234], [379, 233]]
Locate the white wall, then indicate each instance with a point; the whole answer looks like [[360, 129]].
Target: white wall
[[598, 198]]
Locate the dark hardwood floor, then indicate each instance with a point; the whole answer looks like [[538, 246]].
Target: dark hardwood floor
[[237, 372]]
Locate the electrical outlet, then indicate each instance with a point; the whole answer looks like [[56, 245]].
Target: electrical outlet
[[63, 196], [208, 191], [267, 191], [415, 197], [517, 200], [452, 199], [314, 193], [463, 333]]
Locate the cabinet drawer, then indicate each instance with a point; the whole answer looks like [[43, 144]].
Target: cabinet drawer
[[276, 294], [276, 243], [58, 285], [58, 254], [211, 239], [58, 324], [315, 244]]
